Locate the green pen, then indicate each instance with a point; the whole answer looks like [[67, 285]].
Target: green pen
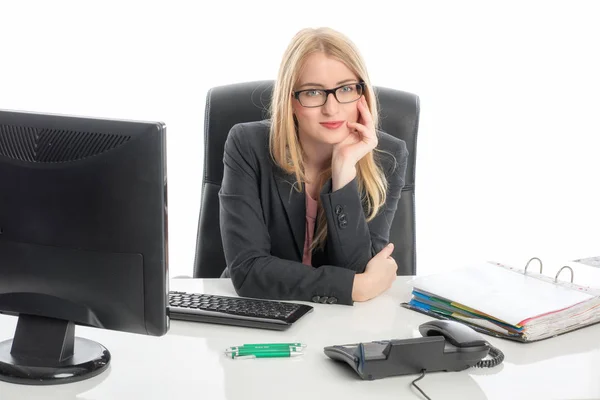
[[245, 351], [267, 346], [265, 354]]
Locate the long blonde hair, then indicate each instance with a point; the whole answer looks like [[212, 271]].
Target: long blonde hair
[[284, 144]]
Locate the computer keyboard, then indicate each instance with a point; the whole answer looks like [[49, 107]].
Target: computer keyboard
[[239, 311]]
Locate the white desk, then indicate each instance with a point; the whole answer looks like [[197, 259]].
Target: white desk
[[189, 363]]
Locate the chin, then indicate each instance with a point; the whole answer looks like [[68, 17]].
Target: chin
[[333, 136]]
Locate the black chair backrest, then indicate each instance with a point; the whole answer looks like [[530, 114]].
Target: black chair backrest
[[245, 102]]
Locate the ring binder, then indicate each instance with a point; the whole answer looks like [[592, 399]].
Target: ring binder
[[560, 270], [522, 308], [541, 267], [530, 260]]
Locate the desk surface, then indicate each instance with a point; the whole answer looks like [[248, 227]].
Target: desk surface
[[189, 362]]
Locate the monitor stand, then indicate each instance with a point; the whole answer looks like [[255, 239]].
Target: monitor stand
[[45, 351]]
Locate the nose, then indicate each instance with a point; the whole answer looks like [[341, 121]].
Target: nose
[[331, 105]]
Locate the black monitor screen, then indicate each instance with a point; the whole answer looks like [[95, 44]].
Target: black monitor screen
[[83, 236]]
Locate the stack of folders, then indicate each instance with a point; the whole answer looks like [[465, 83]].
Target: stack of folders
[[512, 303]]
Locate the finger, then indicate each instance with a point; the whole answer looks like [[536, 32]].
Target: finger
[[352, 126], [386, 251], [357, 128], [366, 133], [365, 113]]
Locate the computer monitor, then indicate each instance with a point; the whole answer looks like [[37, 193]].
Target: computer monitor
[[83, 239]]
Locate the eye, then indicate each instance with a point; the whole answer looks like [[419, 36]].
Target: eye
[[313, 93], [347, 89]]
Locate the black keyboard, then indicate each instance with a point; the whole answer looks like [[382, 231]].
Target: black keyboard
[[239, 311]]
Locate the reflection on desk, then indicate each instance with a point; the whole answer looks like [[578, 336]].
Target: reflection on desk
[[189, 362]]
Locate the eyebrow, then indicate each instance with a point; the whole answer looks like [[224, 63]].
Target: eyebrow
[[312, 84]]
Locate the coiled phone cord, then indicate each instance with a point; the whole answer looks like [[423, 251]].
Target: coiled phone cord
[[497, 358]]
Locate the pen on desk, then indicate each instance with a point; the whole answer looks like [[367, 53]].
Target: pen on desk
[[244, 351], [263, 348], [260, 346], [268, 354]]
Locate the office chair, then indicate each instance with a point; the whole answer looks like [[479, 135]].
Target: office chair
[[249, 101]]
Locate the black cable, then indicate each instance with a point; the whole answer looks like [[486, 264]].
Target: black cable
[[497, 358], [414, 383]]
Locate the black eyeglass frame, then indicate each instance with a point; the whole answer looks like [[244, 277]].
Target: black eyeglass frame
[[333, 91]]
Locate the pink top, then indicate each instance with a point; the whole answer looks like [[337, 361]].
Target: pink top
[[311, 216]]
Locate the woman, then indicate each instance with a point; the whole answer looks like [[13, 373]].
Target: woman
[[308, 197]]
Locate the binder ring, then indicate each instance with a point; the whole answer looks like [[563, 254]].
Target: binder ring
[[530, 260], [559, 271]]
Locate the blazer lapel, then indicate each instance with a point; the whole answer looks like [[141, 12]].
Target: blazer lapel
[[294, 204]]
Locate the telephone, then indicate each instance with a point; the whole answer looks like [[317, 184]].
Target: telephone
[[445, 346]]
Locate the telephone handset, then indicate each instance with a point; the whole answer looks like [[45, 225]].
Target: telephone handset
[[445, 346]]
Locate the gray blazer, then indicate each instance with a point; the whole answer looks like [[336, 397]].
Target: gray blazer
[[263, 222]]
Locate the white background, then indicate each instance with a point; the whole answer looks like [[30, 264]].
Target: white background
[[508, 145]]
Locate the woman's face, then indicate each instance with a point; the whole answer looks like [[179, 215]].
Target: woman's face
[[326, 123]]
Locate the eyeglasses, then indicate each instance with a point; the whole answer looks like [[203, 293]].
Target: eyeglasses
[[347, 93]]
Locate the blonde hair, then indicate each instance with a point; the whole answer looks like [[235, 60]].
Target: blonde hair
[[284, 145]]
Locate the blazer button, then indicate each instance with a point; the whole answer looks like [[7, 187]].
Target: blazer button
[[343, 224], [332, 300], [323, 299], [338, 209], [342, 217], [316, 299]]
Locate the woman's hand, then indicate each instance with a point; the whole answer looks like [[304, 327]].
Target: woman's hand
[[361, 140], [378, 277]]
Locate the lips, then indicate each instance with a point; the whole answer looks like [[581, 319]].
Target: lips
[[332, 124]]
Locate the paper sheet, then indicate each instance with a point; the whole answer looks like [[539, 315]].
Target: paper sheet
[[507, 295]]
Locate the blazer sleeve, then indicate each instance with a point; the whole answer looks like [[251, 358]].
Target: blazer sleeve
[[247, 245], [351, 240]]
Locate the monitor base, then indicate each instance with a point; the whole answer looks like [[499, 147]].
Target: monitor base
[[45, 351], [89, 359]]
